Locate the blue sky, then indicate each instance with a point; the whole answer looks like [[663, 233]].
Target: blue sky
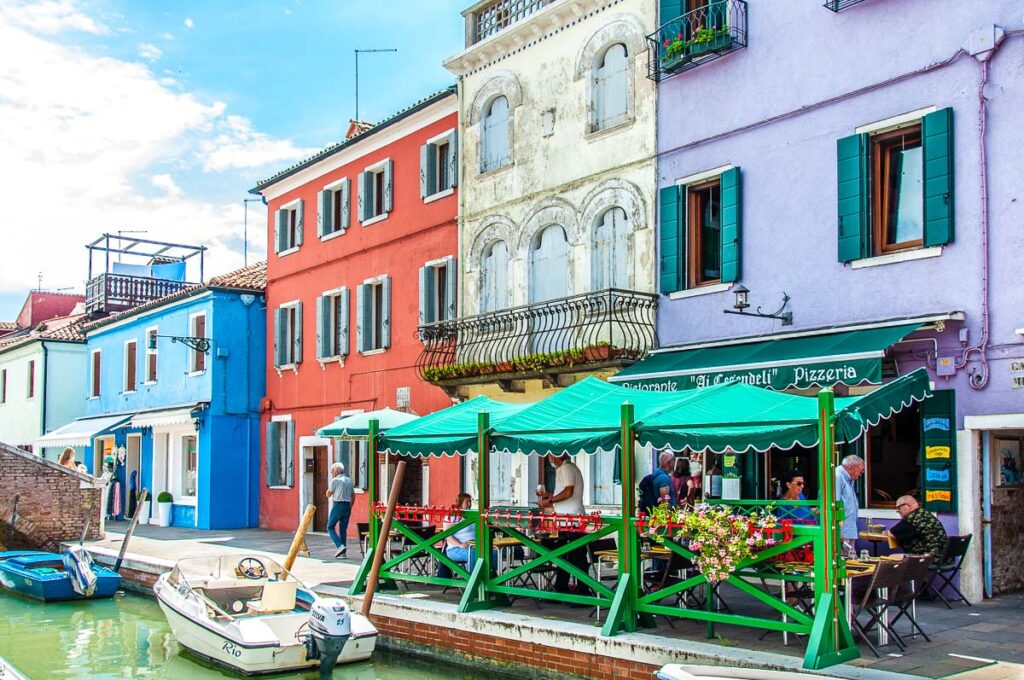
[[161, 115]]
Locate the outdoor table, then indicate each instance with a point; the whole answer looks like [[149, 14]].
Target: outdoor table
[[504, 545], [875, 538]]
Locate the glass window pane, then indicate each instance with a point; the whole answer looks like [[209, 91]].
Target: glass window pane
[[189, 466], [907, 210]]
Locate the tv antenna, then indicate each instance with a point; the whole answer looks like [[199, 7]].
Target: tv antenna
[[358, 52]]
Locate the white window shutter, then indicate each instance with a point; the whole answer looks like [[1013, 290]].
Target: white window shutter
[[363, 331], [621, 267], [297, 352], [346, 207], [362, 196], [601, 259], [598, 96], [342, 322], [324, 214], [388, 178], [323, 317], [453, 159], [385, 324], [298, 223], [424, 165], [451, 273], [427, 296]]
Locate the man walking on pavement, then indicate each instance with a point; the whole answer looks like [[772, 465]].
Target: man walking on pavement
[[339, 491]]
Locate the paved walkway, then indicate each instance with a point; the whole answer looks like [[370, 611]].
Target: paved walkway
[[967, 642]]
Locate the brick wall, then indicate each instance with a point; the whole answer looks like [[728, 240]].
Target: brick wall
[[53, 502], [1007, 539]]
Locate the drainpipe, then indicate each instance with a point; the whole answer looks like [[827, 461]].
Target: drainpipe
[[42, 396]]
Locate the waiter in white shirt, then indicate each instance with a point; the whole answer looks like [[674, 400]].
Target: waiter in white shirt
[[568, 500]]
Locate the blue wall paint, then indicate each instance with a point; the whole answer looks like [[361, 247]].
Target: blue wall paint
[[231, 388]]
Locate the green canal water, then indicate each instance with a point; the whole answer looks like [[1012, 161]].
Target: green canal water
[[128, 637]]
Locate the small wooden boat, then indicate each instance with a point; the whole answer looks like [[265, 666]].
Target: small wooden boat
[[675, 671], [54, 578], [9, 672], [250, 614]]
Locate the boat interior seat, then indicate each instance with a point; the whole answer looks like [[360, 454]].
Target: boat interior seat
[[232, 598], [278, 596]]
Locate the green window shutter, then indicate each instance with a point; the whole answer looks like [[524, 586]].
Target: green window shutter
[[324, 215], [346, 207], [273, 454], [385, 324], [388, 178], [323, 317], [362, 196], [670, 240], [427, 296], [290, 452], [297, 356], [363, 318], [731, 230], [343, 324], [298, 222], [669, 10], [853, 192], [280, 230], [938, 451], [937, 140], [424, 166], [453, 159], [279, 337], [451, 274]]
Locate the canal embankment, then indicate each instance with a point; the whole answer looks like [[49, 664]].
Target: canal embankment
[[534, 643]]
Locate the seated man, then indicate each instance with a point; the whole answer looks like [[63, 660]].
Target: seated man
[[919, 531]]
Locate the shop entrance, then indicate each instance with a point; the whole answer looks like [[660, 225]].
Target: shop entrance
[[1006, 488], [321, 479]]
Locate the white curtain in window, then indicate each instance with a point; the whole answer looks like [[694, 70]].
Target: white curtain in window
[[494, 136], [495, 291], [610, 262], [611, 88], [549, 265]]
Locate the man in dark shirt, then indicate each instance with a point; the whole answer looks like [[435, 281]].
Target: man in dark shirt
[[919, 531]]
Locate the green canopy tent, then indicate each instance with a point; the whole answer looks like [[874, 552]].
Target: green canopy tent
[[448, 432], [357, 426]]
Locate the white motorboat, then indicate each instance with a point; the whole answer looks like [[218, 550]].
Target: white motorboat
[[248, 613], [675, 671]]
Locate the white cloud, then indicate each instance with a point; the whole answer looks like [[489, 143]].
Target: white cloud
[[150, 52], [167, 36], [287, 11], [49, 16], [88, 145], [189, 23]]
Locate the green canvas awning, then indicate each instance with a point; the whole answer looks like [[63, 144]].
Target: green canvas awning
[[357, 426], [447, 432], [852, 357]]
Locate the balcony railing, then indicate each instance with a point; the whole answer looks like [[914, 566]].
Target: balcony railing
[[840, 5], [593, 330], [490, 18], [117, 292], [697, 37]]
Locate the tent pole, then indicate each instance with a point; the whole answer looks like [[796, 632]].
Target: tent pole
[[628, 544], [483, 531], [372, 490]]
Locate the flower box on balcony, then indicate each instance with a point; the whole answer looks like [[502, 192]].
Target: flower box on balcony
[[599, 352], [678, 52]]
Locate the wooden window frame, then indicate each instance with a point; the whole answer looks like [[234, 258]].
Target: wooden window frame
[[197, 360], [377, 315], [441, 154], [3, 386], [131, 372], [881, 169], [95, 374], [694, 241], [30, 387], [152, 361]]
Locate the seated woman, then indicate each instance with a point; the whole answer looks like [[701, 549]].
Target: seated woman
[[793, 490], [457, 546]]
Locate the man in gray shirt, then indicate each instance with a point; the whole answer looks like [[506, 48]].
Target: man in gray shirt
[[339, 491], [846, 475]]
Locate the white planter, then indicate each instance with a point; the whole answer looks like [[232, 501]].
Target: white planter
[[144, 513], [164, 511]]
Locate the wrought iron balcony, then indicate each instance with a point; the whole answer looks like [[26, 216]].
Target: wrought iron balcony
[[697, 37], [487, 18], [603, 329], [840, 5], [116, 292]]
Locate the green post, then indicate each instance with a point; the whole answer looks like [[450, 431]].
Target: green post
[[831, 641], [629, 549], [483, 531], [372, 492]]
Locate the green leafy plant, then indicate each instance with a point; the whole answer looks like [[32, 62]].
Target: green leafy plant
[[164, 497]]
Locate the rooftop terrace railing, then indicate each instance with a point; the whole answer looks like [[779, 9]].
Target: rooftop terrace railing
[[116, 292], [697, 37], [491, 18]]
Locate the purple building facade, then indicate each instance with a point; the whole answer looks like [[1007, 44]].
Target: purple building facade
[[866, 162]]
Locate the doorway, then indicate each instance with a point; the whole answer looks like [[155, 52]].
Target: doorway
[[321, 479], [132, 472]]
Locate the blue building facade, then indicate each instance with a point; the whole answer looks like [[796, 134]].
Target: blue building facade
[[177, 418]]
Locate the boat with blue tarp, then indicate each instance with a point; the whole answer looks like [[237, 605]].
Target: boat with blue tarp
[[52, 577]]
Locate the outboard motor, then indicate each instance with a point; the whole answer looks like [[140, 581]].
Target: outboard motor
[[330, 626], [78, 564]]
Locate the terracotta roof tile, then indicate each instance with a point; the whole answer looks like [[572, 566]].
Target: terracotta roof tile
[[253, 277], [60, 329], [8, 326]]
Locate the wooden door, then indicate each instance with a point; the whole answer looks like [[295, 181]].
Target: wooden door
[[321, 478]]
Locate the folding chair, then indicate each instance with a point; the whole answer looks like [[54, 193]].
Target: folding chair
[[915, 580], [888, 575], [947, 568], [363, 530], [423, 562]]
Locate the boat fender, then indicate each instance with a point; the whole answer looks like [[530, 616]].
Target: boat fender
[[78, 563]]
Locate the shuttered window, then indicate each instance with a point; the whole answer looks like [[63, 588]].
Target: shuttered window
[[94, 371], [437, 291], [280, 456], [495, 292], [549, 265], [375, 190], [288, 334], [151, 355], [288, 227], [197, 359], [610, 105], [700, 233], [333, 208], [439, 165], [332, 324], [373, 315], [3, 386], [494, 136], [895, 188], [130, 365], [609, 265], [30, 387]]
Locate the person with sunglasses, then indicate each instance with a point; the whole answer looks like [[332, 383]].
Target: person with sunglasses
[[919, 531], [793, 490]]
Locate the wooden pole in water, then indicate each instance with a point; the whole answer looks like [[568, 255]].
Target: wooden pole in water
[[382, 538], [299, 539], [14, 522], [131, 529], [88, 518]]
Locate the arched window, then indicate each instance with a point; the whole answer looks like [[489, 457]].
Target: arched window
[[611, 88], [495, 291], [609, 264], [494, 136], [549, 265]]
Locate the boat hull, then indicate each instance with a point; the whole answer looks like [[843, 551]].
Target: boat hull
[[17, 574], [217, 644]]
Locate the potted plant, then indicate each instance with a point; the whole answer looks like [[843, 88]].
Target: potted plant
[[709, 40], [600, 351], [164, 501]]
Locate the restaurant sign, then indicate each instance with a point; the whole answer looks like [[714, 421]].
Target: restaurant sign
[[795, 376]]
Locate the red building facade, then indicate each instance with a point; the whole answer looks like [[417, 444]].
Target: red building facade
[[362, 240]]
